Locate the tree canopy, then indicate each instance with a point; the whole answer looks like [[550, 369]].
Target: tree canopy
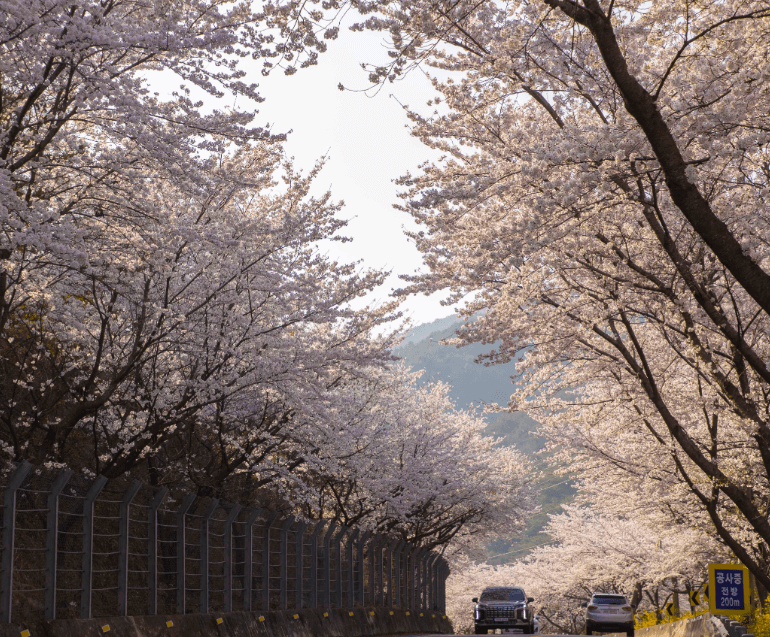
[[165, 309], [602, 205]]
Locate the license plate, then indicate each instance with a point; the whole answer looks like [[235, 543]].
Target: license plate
[[501, 619]]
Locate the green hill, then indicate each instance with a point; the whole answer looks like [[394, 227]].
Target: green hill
[[475, 384]]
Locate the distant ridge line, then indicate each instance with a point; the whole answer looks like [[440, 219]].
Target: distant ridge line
[[422, 332]]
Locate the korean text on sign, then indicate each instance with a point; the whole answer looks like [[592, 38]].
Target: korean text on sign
[[729, 589]]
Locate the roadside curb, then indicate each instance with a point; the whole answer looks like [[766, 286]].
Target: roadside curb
[[336, 622]]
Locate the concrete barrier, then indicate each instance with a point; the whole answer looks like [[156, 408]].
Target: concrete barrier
[[337, 622], [700, 626]]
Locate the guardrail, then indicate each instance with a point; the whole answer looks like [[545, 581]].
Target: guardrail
[[703, 625], [73, 547]]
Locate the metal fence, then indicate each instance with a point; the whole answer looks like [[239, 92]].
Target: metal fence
[[74, 547]]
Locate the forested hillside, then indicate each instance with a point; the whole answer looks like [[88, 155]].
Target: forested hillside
[[475, 384]]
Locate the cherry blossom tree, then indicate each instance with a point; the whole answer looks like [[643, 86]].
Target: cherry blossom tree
[[209, 323], [602, 203], [134, 224], [423, 470], [165, 309]]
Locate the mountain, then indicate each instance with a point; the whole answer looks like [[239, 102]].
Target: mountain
[[424, 331], [474, 384]]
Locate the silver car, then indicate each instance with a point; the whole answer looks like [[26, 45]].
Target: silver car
[[607, 613]]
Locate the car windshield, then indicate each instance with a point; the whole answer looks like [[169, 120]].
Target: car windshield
[[614, 600], [502, 595]]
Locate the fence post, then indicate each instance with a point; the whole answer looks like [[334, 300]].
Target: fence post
[[52, 541], [125, 504], [372, 569], [181, 553], [435, 583], [204, 553], [431, 585], [372, 588], [326, 550], [9, 535], [300, 557], [248, 557], [407, 564], [266, 560], [152, 550], [413, 576], [88, 546], [361, 556], [338, 565], [314, 564], [437, 588], [235, 509], [399, 570], [444, 575], [427, 583], [284, 558], [389, 576], [408, 559], [393, 549], [379, 561], [397, 587], [351, 569], [419, 578]]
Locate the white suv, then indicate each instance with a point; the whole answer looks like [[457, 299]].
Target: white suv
[[607, 613]]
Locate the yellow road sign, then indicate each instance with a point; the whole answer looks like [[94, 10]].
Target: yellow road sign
[[694, 598], [729, 588]]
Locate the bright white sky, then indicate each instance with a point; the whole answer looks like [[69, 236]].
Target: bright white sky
[[368, 146]]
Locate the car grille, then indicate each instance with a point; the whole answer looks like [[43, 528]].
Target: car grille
[[509, 612]]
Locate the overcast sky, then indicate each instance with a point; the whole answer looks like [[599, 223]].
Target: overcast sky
[[368, 146]]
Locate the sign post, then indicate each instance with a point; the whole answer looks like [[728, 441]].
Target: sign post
[[729, 591]]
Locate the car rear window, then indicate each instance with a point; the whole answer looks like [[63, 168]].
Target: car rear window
[[502, 595], [615, 600]]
